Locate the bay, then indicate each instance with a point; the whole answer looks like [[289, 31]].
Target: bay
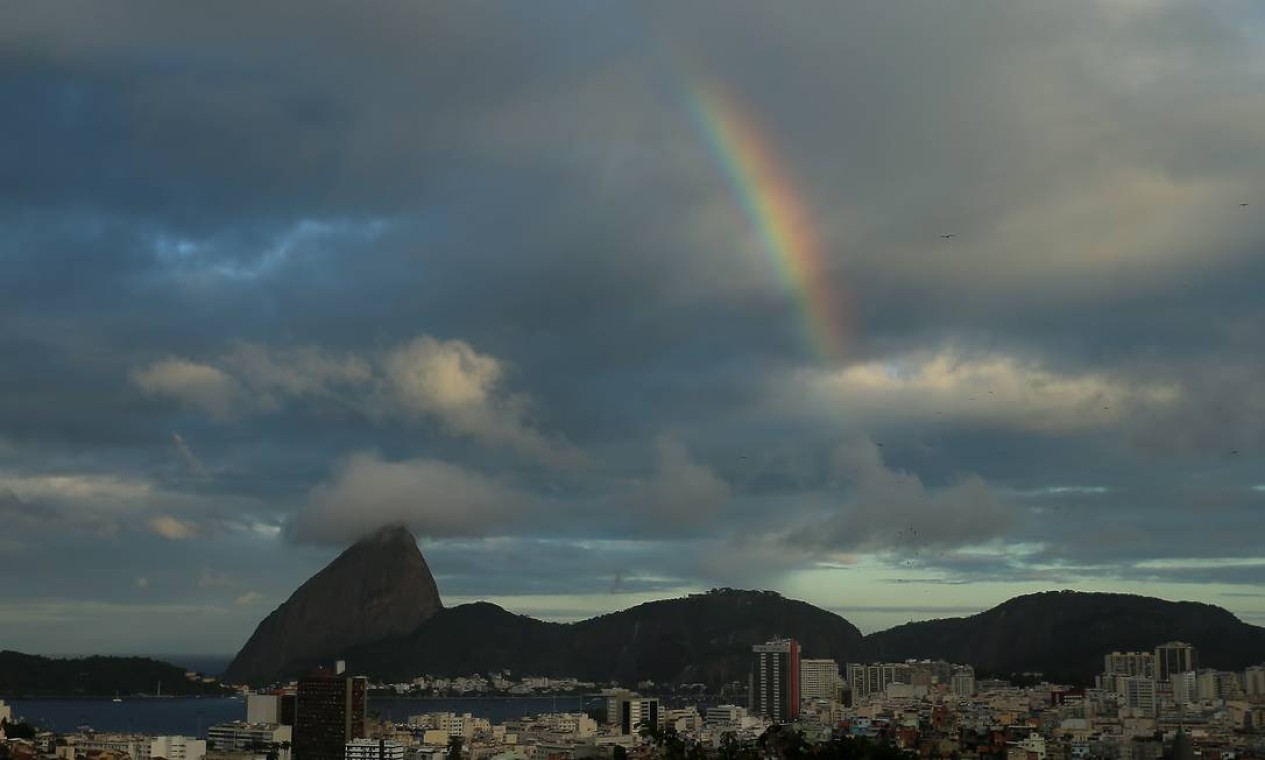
[[190, 716]]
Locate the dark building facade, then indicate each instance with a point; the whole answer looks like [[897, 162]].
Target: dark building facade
[[774, 686], [329, 712]]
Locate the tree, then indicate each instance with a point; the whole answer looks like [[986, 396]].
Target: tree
[[19, 730], [454, 748]]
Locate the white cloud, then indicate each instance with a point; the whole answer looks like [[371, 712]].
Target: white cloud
[[447, 382], [201, 386], [461, 388], [173, 528], [249, 598], [104, 490], [274, 374], [433, 498], [992, 389]]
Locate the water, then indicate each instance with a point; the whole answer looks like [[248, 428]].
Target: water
[[190, 716]]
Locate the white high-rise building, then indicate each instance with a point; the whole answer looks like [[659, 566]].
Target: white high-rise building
[[6, 712], [1216, 685], [1253, 681], [964, 682], [263, 708], [1185, 687], [1138, 693], [818, 679], [374, 749], [628, 711]]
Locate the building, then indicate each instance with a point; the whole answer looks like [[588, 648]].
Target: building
[[373, 749], [725, 715], [6, 713], [239, 736], [177, 748], [141, 747], [774, 690], [964, 682], [1138, 693], [1174, 657], [275, 708], [1253, 681], [329, 713], [628, 711], [1216, 685], [1129, 664], [1185, 687], [875, 678], [818, 679]]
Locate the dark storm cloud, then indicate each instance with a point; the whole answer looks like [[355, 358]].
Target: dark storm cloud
[[226, 232]]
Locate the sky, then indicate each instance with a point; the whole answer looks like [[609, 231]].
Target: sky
[[901, 309]]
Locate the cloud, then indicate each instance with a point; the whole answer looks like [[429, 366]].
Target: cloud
[[448, 382], [187, 456], [461, 388], [993, 390], [276, 374], [886, 509], [680, 495], [434, 499], [200, 386], [248, 599], [173, 528]]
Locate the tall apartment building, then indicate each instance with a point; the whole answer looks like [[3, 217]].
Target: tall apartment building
[[629, 711], [1138, 693], [818, 679], [1174, 657], [964, 681], [1129, 664], [774, 688], [1254, 681], [1185, 687], [874, 678], [276, 708], [1215, 685], [329, 713]]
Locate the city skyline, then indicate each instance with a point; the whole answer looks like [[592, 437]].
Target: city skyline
[[899, 309]]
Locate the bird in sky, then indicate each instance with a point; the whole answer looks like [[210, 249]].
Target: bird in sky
[[1242, 205], [949, 235]]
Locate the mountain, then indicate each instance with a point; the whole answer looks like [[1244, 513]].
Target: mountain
[[377, 607], [1065, 634], [28, 675], [699, 638], [377, 589]]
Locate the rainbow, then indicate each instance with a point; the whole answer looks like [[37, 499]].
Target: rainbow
[[772, 206]]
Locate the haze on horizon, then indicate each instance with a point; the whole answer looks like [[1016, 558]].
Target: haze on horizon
[[902, 309]]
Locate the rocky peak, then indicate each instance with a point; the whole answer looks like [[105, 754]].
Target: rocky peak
[[379, 588]]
